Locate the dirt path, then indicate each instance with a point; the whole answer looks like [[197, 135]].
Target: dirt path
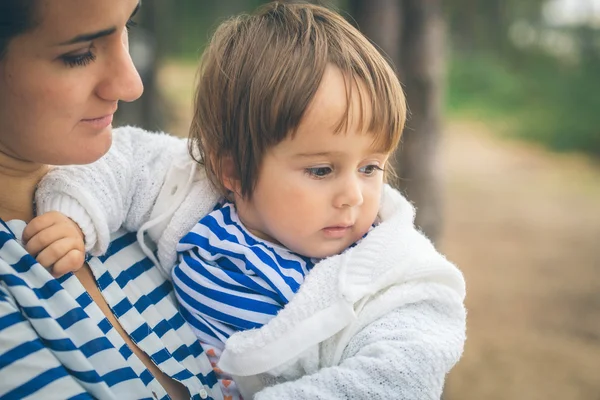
[[524, 226]]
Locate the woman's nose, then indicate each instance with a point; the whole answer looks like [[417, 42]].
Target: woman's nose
[[122, 81]]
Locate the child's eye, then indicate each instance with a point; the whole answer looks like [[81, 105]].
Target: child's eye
[[319, 172], [370, 169], [78, 60]]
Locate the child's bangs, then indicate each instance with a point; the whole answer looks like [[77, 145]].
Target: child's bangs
[[382, 105]]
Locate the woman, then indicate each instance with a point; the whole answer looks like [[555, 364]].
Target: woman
[[112, 330]]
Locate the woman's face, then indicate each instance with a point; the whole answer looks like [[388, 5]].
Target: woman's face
[[60, 82]]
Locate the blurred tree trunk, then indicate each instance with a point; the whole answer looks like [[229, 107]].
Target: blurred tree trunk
[[148, 111], [412, 34]]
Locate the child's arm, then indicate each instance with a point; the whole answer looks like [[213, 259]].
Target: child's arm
[[56, 242], [404, 355], [118, 190]]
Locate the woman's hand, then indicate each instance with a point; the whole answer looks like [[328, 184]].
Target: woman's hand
[[56, 242]]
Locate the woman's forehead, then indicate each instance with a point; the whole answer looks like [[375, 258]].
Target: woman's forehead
[[59, 21]]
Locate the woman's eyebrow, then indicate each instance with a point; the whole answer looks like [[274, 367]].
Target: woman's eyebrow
[[88, 37], [136, 9]]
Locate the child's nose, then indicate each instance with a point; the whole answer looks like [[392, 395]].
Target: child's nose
[[350, 193]]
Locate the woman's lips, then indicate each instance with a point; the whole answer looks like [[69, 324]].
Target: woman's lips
[[99, 123]]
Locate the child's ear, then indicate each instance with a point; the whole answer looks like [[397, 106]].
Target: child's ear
[[229, 177]]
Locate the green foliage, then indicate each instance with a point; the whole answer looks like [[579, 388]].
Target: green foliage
[[483, 85], [541, 99], [192, 23]]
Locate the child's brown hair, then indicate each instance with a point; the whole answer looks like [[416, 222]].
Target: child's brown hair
[[260, 73]]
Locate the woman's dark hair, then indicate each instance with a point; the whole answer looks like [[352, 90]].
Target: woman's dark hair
[[16, 17]]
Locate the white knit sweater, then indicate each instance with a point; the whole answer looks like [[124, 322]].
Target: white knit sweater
[[384, 320]]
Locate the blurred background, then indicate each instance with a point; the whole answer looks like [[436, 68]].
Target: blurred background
[[501, 156]]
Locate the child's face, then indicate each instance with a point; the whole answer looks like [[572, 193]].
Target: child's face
[[319, 192]]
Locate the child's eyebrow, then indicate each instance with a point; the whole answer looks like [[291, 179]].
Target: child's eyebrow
[[319, 154], [334, 154]]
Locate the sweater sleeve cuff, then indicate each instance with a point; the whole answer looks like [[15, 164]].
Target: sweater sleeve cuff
[[71, 208]]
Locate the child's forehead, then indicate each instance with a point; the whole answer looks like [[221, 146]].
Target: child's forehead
[[338, 101], [339, 114], [326, 141]]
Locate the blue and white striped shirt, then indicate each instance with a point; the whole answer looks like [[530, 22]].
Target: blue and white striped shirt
[[228, 280], [56, 343]]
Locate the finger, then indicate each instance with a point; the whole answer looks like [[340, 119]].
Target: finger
[[57, 250], [38, 224], [44, 238], [71, 262]]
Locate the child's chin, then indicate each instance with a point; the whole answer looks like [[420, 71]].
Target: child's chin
[[328, 252]]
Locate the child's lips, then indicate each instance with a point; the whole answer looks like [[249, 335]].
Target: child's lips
[[337, 231]]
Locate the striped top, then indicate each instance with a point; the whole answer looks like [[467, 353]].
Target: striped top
[[55, 342], [228, 280]]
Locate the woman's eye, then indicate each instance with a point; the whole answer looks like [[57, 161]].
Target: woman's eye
[[78, 60], [370, 169], [319, 172], [130, 24]]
